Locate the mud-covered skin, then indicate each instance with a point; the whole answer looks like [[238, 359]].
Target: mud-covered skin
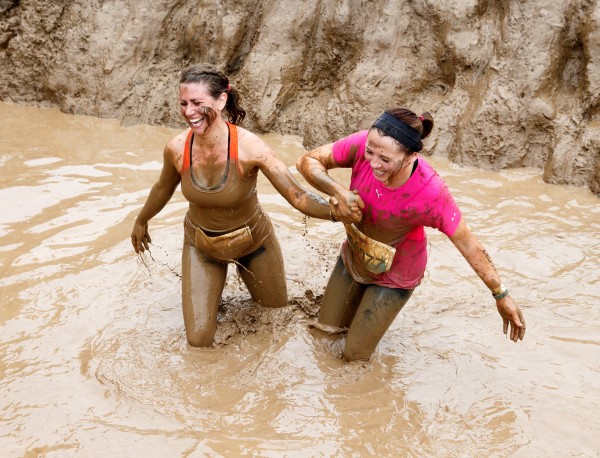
[[262, 268], [344, 203], [513, 322]]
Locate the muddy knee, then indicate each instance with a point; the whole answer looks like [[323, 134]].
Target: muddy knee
[[273, 297], [360, 344], [357, 354], [200, 339], [273, 301]]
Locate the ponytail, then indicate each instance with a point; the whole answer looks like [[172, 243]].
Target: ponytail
[[232, 106]]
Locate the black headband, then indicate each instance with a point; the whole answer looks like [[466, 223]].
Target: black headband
[[400, 131]]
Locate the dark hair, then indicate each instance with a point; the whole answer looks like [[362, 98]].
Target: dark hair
[[422, 124], [217, 82]]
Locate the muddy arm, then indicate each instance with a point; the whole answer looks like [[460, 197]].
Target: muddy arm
[[160, 194], [478, 258], [346, 205], [307, 202]]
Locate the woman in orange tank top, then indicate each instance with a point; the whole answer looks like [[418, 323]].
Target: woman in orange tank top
[[217, 164]]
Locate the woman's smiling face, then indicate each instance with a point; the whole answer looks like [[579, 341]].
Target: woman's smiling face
[[386, 157], [198, 107]]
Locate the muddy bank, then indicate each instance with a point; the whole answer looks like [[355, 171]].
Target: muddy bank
[[510, 83]]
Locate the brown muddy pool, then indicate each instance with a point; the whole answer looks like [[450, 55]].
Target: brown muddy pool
[[93, 357]]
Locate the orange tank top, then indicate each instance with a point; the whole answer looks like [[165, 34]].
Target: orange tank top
[[230, 204]]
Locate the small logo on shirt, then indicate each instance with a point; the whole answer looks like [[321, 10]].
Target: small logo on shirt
[[378, 193]]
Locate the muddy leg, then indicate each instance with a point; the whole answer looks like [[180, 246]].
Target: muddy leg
[[203, 280], [340, 300], [376, 312], [263, 273]]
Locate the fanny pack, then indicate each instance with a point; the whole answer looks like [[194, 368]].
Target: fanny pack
[[224, 247], [376, 256]]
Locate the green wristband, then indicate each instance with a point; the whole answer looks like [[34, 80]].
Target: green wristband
[[502, 295]]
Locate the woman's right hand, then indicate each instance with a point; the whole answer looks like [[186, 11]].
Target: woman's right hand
[[347, 207], [140, 237]]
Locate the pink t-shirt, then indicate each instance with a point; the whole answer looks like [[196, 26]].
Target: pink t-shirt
[[396, 216]]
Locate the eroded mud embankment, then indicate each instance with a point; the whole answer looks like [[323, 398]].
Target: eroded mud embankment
[[511, 83]]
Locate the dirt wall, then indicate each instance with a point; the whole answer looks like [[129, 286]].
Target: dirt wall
[[510, 83]]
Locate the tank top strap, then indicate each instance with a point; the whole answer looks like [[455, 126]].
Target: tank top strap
[[233, 142], [186, 151]]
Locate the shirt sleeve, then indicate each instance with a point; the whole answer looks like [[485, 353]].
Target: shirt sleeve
[[345, 149], [446, 214], [450, 213]]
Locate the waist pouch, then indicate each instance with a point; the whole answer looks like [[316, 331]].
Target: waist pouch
[[224, 247], [376, 256]]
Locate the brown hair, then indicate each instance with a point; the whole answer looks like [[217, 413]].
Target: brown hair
[[217, 82]]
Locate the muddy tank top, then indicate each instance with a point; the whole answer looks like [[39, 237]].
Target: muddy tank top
[[230, 204]]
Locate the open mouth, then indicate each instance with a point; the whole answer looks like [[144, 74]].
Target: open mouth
[[196, 122]]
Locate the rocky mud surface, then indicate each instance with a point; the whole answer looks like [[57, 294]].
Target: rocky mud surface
[[511, 83]]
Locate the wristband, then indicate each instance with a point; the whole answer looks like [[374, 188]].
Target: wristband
[[498, 290], [502, 295]]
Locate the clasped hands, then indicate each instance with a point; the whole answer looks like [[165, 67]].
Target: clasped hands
[[347, 207]]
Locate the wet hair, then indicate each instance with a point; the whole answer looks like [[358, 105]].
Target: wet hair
[[423, 124], [217, 82]]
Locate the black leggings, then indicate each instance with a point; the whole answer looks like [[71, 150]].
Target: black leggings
[[366, 310]]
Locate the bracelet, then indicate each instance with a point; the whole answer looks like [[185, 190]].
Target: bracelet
[[502, 295], [331, 217], [498, 290]]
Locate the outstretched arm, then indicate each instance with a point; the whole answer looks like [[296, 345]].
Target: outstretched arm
[[160, 194], [313, 166], [476, 255], [300, 198]]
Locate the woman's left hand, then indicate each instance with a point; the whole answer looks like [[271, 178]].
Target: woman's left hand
[[511, 314], [140, 237]]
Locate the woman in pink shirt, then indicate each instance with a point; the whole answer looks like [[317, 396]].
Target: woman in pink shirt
[[384, 258]]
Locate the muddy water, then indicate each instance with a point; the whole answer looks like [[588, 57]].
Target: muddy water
[[93, 359]]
